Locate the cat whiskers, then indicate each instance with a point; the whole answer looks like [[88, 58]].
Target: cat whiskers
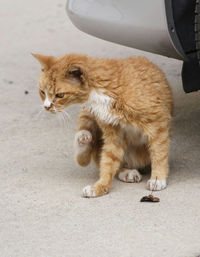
[[39, 114], [63, 117], [66, 118]]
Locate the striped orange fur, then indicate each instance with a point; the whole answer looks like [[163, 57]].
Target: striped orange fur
[[126, 115]]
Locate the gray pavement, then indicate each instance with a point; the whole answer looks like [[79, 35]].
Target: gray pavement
[[42, 213]]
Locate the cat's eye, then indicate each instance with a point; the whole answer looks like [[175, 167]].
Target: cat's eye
[[42, 92], [60, 95]]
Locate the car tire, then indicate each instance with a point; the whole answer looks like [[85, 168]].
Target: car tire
[[197, 28]]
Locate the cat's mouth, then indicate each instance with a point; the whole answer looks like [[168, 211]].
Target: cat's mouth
[[54, 110], [51, 109]]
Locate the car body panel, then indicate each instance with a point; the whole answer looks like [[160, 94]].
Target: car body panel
[[139, 24]]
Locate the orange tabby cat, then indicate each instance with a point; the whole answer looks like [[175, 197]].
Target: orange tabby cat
[[125, 121]]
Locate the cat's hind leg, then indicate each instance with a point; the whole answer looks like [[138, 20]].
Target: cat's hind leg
[[135, 158]]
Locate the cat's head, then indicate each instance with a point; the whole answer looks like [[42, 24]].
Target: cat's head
[[63, 81]]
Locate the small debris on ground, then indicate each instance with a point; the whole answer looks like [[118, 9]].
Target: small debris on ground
[[26, 92], [150, 198], [8, 81], [24, 170]]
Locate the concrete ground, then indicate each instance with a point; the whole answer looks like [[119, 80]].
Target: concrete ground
[[42, 213]]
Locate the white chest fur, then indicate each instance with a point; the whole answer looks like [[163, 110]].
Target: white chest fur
[[101, 106]]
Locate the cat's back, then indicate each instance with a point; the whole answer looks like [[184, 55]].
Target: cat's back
[[143, 69], [144, 84], [137, 82]]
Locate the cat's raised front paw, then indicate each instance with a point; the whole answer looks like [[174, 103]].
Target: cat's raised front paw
[[83, 137], [130, 176], [156, 184], [81, 141]]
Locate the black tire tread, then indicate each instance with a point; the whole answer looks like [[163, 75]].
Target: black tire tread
[[197, 28]]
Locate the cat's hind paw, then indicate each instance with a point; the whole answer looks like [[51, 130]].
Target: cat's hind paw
[[156, 184], [130, 176]]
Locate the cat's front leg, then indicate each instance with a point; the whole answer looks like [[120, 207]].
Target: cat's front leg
[[158, 147], [111, 156]]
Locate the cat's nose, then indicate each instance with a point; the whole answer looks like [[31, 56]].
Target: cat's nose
[[47, 107]]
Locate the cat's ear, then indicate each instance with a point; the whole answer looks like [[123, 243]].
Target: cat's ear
[[45, 61], [76, 74]]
